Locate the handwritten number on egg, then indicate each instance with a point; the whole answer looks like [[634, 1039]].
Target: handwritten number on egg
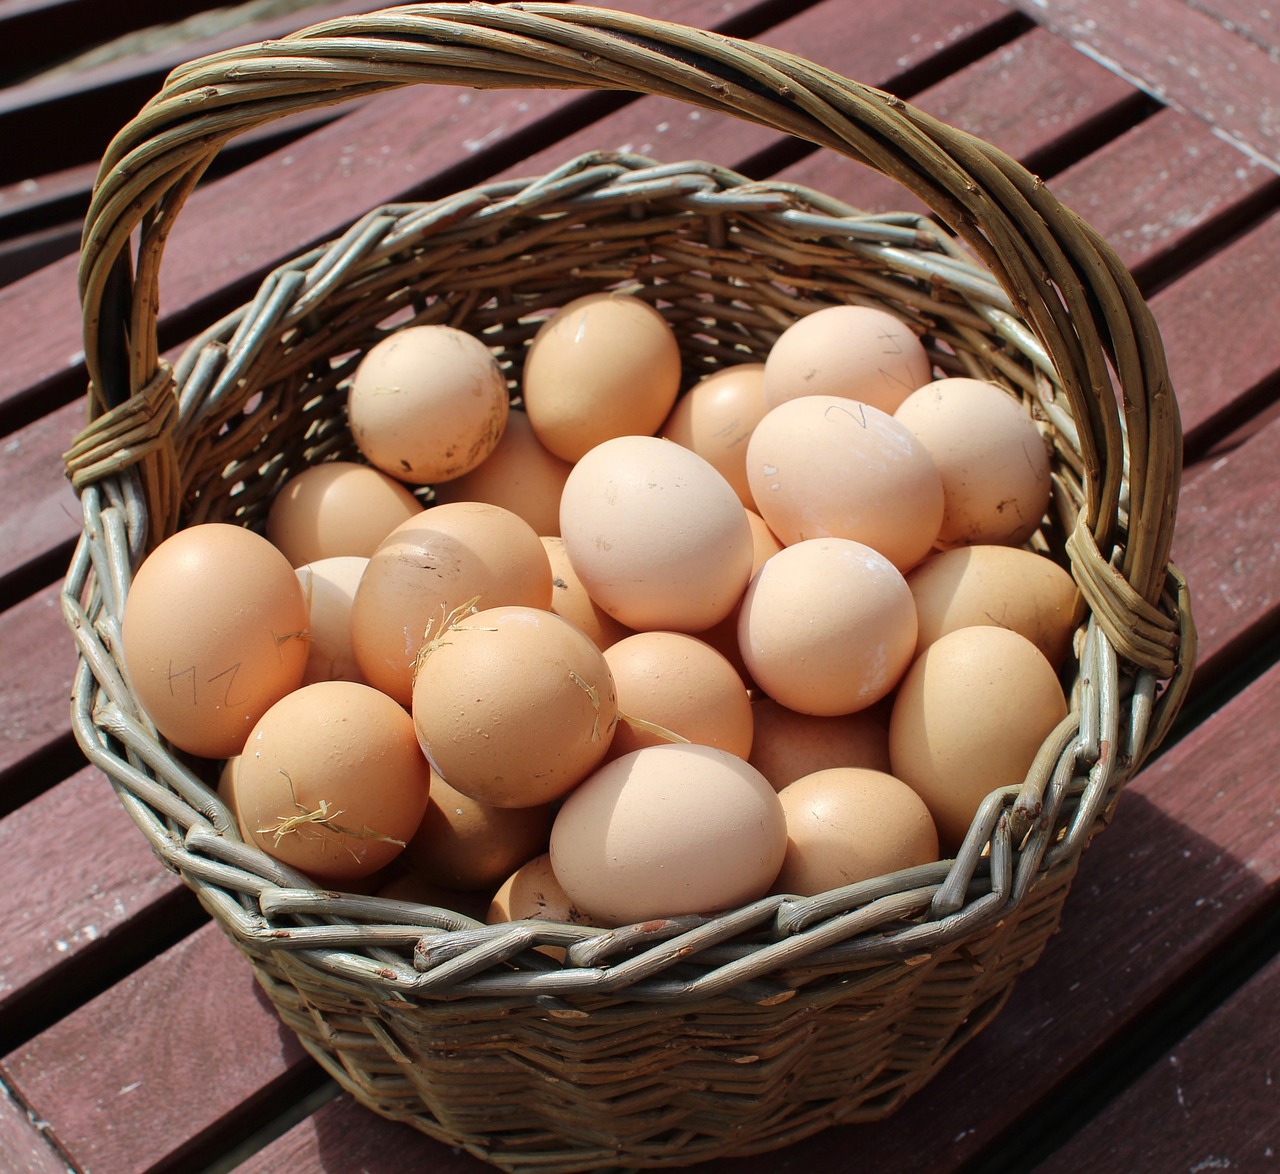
[[859, 417]]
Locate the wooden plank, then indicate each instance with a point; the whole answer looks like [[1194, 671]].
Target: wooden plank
[[344, 1135], [1256, 22], [882, 52], [39, 663], [1031, 98], [1182, 56], [74, 872], [1233, 329], [25, 28], [22, 1146], [157, 1058], [1227, 543], [22, 201], [1184, 181], [45, 511], [30, 251], [1210, 1104], [91, 102], [42, 217]]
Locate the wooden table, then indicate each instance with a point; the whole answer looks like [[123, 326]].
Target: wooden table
[[132, 1035]]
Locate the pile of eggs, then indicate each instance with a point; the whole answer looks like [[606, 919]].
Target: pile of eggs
[[643, 654]]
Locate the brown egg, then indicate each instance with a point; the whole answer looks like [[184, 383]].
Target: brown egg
[[513, 706], [464, 844], [676, 683], [828, 626], [442, 559], [668, 830], [427, 403], [214, 632], [605, 365], [571, 601], [332, 780], [968, 718], [336, 509], [532, 892], [715, 418], [519, 475], [787, 744], [824, 466], [856, 352], [1006, 586], [329, 585], [846, 825], [656, 534], [990, 455]]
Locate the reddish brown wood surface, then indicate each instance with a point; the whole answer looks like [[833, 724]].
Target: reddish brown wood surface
[[1209, 1104], [75, 871], [1192, 186], [1194, 854], [33, 701], [1228, 543], [98, 96], [1186, 57], [143, 1093], [1210, 335], [1033, 97], [45, 511], [22, 1146]]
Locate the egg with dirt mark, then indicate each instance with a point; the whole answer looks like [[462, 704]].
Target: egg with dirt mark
[[427, 403]]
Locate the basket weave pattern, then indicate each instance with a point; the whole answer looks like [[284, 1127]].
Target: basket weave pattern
[[693, 1037]]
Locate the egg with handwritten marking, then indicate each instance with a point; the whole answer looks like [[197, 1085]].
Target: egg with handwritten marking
[[214, 632]]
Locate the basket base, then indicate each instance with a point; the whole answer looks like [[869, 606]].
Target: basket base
[[648, 1086]]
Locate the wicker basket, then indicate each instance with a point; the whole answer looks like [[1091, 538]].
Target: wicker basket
[[688, 1039]]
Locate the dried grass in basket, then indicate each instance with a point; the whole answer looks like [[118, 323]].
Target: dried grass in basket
[[693, 1038]]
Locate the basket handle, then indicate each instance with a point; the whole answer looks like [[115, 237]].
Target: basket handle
[[1063, 279]]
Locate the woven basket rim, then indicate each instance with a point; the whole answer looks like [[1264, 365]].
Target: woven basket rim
[[440, 938]]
